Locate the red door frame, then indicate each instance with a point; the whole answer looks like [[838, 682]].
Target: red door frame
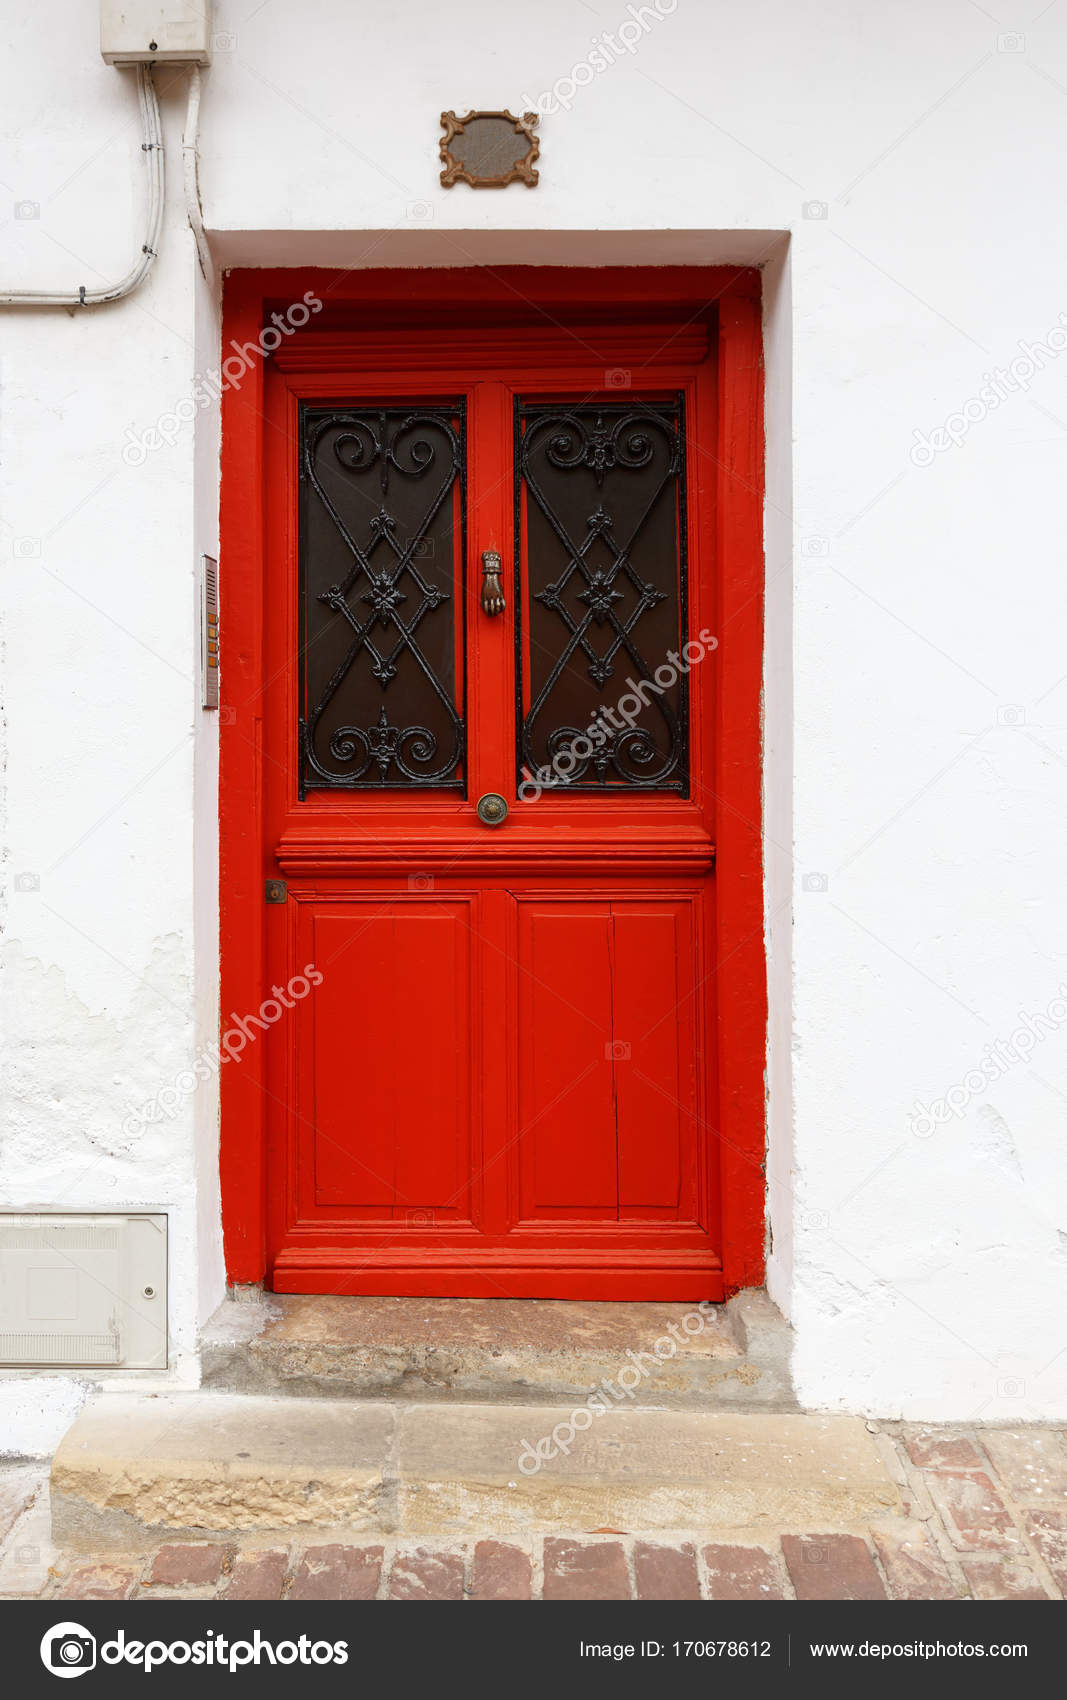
[[506, 296]]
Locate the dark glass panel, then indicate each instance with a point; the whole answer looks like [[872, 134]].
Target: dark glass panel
[[600, 499], [381, 590]]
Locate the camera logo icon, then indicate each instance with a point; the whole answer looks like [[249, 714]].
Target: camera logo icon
[[27, 882], [224, 41], [617, 378], [815, 882], [617, 1050], [815, 548], [1011, 714], [1011, 42], [27, 548], [816, 209], [419, 212], [27, 209], [68, 1649]]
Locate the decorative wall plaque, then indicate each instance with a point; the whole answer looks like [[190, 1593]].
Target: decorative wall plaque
[[489, 150]]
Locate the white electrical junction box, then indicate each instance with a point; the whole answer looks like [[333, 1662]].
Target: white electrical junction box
[[83, 1290], [134, 32]]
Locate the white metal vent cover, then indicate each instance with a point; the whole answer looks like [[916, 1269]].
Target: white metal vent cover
[[83, 1291]]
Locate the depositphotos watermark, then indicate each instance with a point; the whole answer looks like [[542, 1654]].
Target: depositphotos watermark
[[607, 49], [209, 1059], [609, 725], [209, 386], [996, 1061], [997, 386], [614, 1389], [69, 1650]]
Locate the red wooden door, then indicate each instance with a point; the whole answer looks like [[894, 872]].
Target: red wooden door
[[496, 1067]]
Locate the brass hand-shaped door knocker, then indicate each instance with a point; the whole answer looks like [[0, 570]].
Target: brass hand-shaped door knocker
[[492, 589]]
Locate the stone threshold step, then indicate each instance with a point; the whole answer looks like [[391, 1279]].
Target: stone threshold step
[[710, 1357], [137, 1469]]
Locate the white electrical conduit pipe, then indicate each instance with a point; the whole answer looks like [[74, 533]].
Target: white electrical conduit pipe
[[190, 164], [153, 149]]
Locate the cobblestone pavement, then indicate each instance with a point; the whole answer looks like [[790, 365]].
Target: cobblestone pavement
[[985, 1518]]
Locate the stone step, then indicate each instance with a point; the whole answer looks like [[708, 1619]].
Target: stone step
[[137, 1469], [710, 1357]]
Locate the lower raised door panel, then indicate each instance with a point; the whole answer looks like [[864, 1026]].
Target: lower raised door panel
[[609, 1118], [497, 1093], [391, 1031]]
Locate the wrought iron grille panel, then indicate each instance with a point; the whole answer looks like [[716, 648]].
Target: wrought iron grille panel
[[600, 505], [382, 554]]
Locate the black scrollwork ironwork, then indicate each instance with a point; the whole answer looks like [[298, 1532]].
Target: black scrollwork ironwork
[[601, 587], [385, 597]]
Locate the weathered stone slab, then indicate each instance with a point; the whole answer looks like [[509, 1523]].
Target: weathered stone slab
[[518, 1350], [137, 1470]]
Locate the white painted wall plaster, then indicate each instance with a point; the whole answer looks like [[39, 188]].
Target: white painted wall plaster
[[104, 996], [915, 686]]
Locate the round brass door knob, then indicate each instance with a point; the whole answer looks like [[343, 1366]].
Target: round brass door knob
[[492, 809]]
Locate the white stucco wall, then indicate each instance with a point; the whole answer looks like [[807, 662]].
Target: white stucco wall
[[915, 681], [101, 1004]]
